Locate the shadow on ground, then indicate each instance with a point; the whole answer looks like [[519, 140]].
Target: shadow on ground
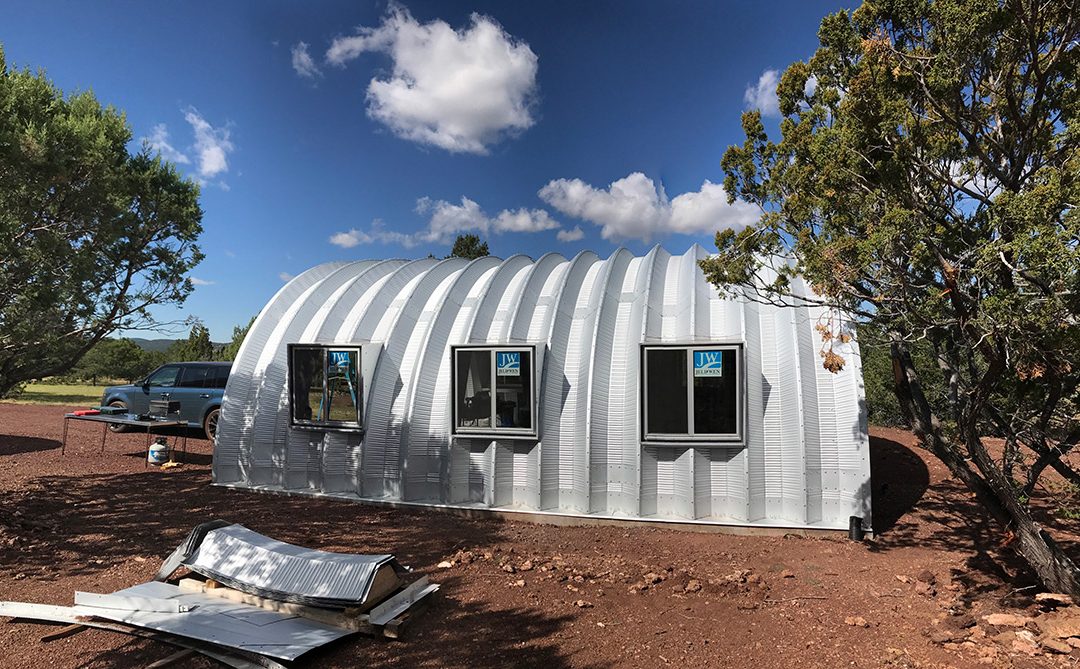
[[108, 519], [13, 445]]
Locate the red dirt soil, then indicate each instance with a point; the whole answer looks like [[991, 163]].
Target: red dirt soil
[[521, 594]]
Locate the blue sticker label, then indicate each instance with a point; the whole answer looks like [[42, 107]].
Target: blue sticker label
[[508, 363], [339, 358], [708, 363]]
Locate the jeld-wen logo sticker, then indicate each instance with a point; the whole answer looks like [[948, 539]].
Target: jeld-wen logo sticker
[[708, 363], [339, 358], [508, 363]]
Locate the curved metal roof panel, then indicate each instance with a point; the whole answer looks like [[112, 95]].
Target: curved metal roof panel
[[803, 462]]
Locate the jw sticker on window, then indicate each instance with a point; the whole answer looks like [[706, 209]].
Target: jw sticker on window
[[708, 363], [508, 363]]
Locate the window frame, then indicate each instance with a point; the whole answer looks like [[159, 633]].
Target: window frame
[[494, 431], [328, 425], [738, 438]]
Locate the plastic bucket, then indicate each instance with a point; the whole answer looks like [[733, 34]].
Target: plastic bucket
[[158, 453]]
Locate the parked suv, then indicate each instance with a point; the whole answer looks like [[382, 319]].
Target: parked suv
[[198, 386]]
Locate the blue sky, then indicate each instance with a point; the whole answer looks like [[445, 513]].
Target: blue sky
[[351, 130]]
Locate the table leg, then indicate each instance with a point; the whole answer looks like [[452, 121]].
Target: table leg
[[63, 443], [104, 431]]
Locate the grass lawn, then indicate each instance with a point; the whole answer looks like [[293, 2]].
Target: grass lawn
[[75, 394]]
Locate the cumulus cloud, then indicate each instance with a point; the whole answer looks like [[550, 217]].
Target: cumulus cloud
[[636, 208], [571, 235], [212, 145], [353, 237], [158, 141], [762, 95], [196, 281], [303, 63], [459, 90], [446, 221]]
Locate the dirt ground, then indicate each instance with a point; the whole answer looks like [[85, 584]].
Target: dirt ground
[[526, 595]]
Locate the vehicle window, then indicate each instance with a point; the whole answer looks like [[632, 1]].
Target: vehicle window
[[164, 377], [194, 377], [220, 376]]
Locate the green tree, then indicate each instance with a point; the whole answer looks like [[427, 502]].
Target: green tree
[[112, 359], [91, 236], [926, 181], [196, 347], [229, 351], [469, 247]]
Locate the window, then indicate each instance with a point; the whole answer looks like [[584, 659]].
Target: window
[[493, 390], [219, 376], [692, 393], [194, 376], [164, 377], [324, 386]]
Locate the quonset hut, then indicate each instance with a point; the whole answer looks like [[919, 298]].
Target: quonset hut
[[624, 387]]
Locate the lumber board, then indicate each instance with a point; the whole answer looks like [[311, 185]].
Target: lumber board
[[342, 619], [399, 603]]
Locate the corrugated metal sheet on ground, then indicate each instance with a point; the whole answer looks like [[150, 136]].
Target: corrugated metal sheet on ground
[[252, 562], [216, 620]]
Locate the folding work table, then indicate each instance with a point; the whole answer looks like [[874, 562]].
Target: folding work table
[[126, 419]]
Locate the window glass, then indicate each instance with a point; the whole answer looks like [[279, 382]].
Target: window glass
[[716, 400], [194, 376], [513, 389], [164, 377], [473, 388], [666, 392], [307, 383], [342, 385], [220, 376]]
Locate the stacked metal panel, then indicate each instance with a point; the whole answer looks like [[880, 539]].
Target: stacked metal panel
[[804, 461], [251, 562]]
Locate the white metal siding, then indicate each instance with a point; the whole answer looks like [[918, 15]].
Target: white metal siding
[[804, 462]]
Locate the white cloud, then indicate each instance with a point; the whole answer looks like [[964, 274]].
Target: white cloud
[[571, 235], [196, 281], [212, 145], [347, 240], [286, 277], [303, 63], [448, 220], [762, 96], [636, 208], [158, 141], [461, 91]]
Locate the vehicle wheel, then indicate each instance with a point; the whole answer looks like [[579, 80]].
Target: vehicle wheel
[[118, 428], [210, 423]]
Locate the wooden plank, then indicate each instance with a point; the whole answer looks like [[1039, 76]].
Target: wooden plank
[[398, 627], [63, 633], [399, 603], [171, 659], [353, 623], [383, 584]]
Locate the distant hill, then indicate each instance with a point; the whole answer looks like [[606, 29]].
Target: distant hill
[[153, 344], [160, 344]]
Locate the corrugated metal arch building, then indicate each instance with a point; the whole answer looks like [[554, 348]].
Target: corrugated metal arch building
[[584, 327]]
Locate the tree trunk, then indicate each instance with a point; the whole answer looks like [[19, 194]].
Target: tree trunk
[[992, 489]]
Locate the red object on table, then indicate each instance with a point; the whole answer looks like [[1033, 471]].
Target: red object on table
[[85, 412]]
